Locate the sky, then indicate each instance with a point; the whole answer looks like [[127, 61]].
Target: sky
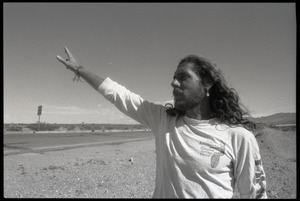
[[139, 46]]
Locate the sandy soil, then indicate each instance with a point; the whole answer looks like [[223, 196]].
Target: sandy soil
[[278, 150], [127, 170]]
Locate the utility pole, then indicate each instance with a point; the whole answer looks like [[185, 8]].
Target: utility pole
[[39, 114]]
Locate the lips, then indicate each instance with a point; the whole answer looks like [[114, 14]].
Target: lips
[[177, 93]]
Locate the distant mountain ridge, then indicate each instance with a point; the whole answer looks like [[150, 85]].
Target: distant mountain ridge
[[278, 118]]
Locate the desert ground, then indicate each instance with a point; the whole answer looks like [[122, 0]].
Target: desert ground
[[278, 151], [127, 170]]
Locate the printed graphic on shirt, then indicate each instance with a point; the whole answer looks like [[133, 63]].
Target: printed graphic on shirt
[[214, 151]]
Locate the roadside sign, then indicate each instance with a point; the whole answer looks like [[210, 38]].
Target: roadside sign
[[39, 110]]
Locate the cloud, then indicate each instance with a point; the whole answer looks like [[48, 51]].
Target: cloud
[[7, 118], [97, 114], [74, 110], [65, 110]]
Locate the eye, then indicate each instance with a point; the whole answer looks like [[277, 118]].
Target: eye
[[181, 76]]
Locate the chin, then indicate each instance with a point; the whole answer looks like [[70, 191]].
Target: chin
[[180, 106]]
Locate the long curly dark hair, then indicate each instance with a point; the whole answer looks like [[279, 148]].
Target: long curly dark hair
[[224, 101]]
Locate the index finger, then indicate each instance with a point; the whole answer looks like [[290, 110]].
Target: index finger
[[70, 55]]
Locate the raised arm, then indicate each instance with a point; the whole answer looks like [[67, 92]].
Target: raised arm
[[71, 64], [129, 103]]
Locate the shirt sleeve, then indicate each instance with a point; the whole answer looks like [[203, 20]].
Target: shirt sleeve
[[131, 104], [248, 169]]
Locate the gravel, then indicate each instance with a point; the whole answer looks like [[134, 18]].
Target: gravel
[[110, 171], [127, 170]]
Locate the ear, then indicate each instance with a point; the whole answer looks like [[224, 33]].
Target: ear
[[207, 86]]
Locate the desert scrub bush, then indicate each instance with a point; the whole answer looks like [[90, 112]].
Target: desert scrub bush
[[14, 128]]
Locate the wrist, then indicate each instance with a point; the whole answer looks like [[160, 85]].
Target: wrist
[[79, 68], [77, 73]]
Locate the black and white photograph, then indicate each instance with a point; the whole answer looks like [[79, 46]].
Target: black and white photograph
[[149, 100]]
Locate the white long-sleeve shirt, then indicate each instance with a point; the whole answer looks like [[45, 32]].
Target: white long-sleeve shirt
[[194, 158]]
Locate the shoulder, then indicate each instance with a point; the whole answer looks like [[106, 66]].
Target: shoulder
[[234, 131], [244, 139], [240, 132], [239, 135]]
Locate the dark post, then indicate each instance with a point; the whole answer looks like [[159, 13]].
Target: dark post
[[39, 114]]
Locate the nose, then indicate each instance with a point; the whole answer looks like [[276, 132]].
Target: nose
[[175, 83]]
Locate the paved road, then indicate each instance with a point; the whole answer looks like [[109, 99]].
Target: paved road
[[43, 142]]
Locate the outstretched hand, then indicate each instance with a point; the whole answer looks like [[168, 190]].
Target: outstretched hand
[[79, 71], [70, 62]]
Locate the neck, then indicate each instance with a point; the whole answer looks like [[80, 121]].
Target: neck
[[201, 111]]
